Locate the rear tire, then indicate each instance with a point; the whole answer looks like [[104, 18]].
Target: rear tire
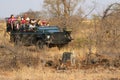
[[17, 41], [40, 44]]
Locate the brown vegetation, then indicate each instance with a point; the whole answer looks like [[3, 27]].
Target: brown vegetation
[[96, 48]]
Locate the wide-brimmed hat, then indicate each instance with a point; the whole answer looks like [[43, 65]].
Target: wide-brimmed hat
[[33, 21]]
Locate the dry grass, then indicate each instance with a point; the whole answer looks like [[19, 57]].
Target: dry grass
[[28, 63], [44, 74]]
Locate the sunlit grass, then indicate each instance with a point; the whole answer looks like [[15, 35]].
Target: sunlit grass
[[25, 63]]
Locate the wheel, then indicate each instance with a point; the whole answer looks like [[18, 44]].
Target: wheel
[[60, 47], [17, 41], [12, 37], [40, 44]]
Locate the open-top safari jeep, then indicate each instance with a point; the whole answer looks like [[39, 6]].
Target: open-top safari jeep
[[42, 36]]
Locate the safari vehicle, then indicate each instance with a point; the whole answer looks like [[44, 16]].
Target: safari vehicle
[[49, 36]]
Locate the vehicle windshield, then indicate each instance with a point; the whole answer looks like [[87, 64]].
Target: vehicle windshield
[[48, 30], [51, 30]]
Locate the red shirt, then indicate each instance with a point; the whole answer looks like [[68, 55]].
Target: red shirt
[[44, 22], [23, 21]]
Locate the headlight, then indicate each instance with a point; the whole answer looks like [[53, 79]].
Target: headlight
[[48, 36]]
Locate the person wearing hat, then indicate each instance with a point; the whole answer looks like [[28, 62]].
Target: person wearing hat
[[32, 24]]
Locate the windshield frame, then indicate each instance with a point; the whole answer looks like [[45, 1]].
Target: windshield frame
[[48, 29]]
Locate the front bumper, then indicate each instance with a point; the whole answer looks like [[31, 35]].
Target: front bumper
[[58, 42]]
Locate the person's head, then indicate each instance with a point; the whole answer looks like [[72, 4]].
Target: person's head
[[12, 16], [47, 24], [22, 18], [27, 19], [19, 18], [33, 21], [25, 15], [38, 21]]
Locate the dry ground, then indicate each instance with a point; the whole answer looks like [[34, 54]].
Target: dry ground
[[48, 74]]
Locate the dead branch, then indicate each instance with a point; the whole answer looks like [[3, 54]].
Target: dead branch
[[106, 12]]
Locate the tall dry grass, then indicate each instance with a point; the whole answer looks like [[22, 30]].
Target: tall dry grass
[[28, 63]]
